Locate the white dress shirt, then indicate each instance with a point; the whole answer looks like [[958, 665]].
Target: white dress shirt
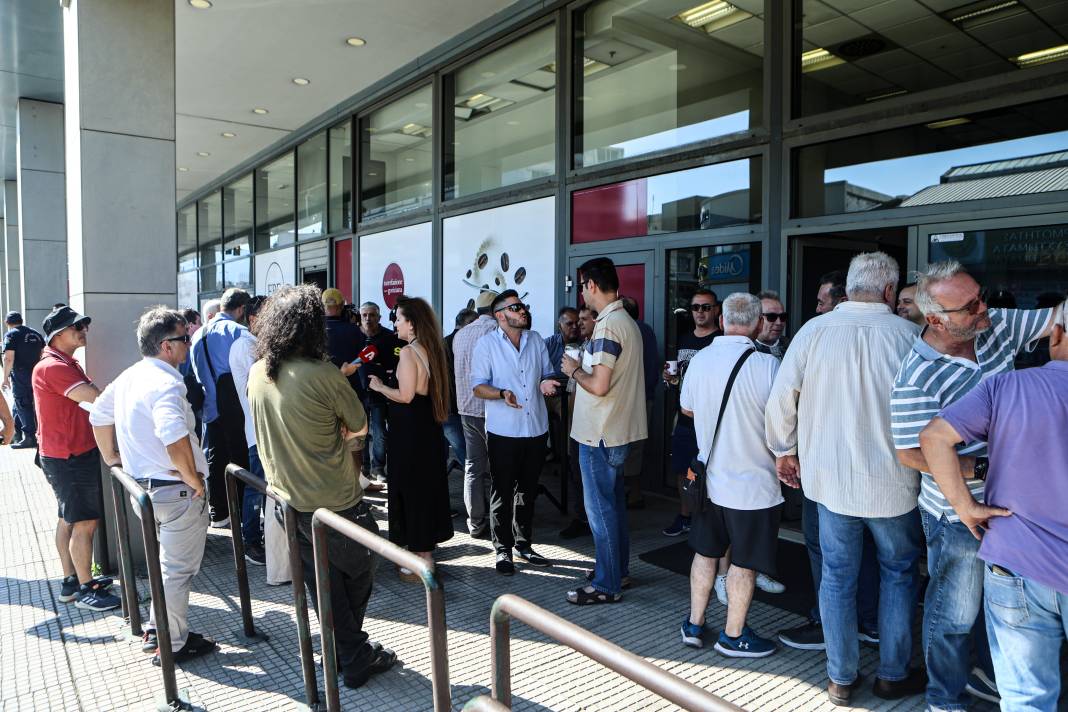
[[496, 362], [830, 406], [741, 470], [241, 360], [148, 408]]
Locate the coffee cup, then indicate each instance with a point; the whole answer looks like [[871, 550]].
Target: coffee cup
[[672, 368], [573, 352]]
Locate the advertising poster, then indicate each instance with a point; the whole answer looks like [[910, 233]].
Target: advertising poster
[[275, 269], [511, 247], [396, 262]]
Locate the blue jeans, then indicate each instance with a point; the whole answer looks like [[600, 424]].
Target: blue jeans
[[22, 393], [252, 504], [606, 507], [867, 586], [950, 609], [454, 434], [898, 542], [1027, 623], [374, 455]]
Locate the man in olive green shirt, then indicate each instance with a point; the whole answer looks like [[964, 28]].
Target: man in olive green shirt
[[303, 409]]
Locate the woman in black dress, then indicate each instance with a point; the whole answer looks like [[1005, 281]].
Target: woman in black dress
[[417, 451]]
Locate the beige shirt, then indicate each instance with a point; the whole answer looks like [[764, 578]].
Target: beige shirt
[[830, 405], [618, 417]]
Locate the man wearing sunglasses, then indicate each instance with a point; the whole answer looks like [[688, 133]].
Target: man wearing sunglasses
[[772, 339], [962, 345], [705, 310], [511, 372]]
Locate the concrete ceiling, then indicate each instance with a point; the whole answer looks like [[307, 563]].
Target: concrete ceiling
[[239, 55]]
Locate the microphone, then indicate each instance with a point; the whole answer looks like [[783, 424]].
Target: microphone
[[367, 354]]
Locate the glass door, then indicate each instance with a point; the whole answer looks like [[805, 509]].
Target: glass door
[[635, 270]]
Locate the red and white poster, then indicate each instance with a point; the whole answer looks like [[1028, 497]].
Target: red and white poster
[[396, 262]]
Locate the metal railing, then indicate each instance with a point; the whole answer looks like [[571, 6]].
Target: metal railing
[[172, 697], [322, 521], [300, 596], [671, 687]]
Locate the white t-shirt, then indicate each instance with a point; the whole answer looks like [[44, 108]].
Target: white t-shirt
[[741, 471], [241, 360]]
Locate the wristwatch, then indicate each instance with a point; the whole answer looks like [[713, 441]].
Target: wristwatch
[[982, 464], [500, 392]]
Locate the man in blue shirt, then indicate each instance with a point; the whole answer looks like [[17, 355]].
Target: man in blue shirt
[[510, 370], [224, 421], [22, 351]]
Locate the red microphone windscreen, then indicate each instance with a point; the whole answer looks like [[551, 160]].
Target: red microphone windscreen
[[368, 353]]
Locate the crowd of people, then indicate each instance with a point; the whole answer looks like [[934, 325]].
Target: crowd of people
[[898, 415]]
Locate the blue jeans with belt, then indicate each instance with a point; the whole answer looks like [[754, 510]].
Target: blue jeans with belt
[[606, 507]]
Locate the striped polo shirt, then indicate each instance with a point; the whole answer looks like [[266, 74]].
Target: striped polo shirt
[[928, 381]]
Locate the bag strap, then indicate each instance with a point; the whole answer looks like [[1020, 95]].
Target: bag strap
[[726, 397]]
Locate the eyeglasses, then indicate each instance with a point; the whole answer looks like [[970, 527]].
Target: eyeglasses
[[702, 307], [775, 316], [971, 307], [515, 308], [184, 338]]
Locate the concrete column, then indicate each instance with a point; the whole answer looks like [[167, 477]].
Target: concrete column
[[120, 174], [12, 282], [42, 208], [3, 266]]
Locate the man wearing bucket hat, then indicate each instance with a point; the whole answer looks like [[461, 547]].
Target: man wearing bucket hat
[[69, 456]]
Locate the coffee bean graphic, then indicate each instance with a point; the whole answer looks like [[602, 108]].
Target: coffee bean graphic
[[469, 274], [504, 261], [483, 260], [520, 275]]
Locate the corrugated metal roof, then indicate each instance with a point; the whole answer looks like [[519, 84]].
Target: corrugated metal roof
[[1011, 165], [996, 187]]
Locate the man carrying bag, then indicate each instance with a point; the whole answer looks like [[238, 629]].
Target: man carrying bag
[[726, 389]]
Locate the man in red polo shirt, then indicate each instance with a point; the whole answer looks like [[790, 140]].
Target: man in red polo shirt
[[69, 457]]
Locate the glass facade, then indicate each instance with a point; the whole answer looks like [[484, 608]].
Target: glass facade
[[237, 218], [311, 188], [274, 203], [187, 238], [654, 75], [504, 117], [396, 156], [238, 273], [209, 228], [340, 177]]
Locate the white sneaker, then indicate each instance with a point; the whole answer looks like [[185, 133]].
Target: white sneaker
[[768, 584], [721, 589], [221, 524]]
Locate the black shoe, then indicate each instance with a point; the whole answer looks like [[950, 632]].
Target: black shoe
[[383, 660], [504, 563], [575, 529], [481, 533], [532, 557], [69, 590], [868, 635], [805, 637], [195, 646], [914, 684], [26, 443], [842, 695], [254, 554]]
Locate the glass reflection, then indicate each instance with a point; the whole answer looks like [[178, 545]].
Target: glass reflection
[[187, 289], [237, 217], [238, 273], [211, 278], [274, 203], [311, 187], [341, 177], [187, 238], [396, 155], [209, 228], [657, 75]]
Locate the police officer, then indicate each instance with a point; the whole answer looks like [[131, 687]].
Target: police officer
[[22, 351]]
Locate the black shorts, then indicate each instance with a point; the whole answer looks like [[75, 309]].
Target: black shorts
[[751, 534], [76, 482]]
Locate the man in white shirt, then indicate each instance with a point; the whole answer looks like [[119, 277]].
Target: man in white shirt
[[511, 372], [743, 489], [143, 422], [828, 423]]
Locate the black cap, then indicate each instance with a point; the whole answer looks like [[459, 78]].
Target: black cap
[[60, 319], [13, 317]]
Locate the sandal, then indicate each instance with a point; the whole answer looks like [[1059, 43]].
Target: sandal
[[582, 597], [625, 582]]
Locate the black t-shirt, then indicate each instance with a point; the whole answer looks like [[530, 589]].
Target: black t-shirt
[[27, 345], [385, 363], [688, 346], [343, 342]]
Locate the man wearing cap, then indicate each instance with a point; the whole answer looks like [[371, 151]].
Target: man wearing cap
[[473, 416], [22, 350], [69, 457], [224, 422]]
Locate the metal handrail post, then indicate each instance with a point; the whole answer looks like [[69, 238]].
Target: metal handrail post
[[131, 608], [671, 687], [324, 519], [155, 580], [232, 474], [300, 605]]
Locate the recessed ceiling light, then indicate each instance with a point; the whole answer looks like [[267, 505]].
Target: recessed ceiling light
[[200, 4], [421, 104], [946, 123], [203, 154], [183, 169], [301, 81], [259, 111], [409, 159], [488, 75], [1051, 54], [355, 41], [513, 123], [819, 58], [676, 67], [228, 134]]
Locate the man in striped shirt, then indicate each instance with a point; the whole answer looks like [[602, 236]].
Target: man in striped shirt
[[962, 344]]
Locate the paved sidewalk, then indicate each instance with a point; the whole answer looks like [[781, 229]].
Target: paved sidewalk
[[54, 656]]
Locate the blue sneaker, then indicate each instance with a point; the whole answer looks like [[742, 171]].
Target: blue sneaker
[[97, 599], [746, 645], [680, 526], [692, 634]]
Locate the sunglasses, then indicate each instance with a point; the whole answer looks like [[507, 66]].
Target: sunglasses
[[971, 307], [515, 308], [184, 338], [775, 316], [702, 307]]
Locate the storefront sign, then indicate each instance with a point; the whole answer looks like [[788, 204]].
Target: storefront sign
[[392, 284], [275, 269], [396, 262], [725, 267]]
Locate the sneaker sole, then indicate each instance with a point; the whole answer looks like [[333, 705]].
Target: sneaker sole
[[864, 638], [773, 589], [99, 609], [674, 534], [802, 646], [254, 562], [981, 695], [67, 599], [692, 642], [732, 653]]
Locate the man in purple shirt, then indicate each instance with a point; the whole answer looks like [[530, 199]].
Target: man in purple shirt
[[1024, 528]]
